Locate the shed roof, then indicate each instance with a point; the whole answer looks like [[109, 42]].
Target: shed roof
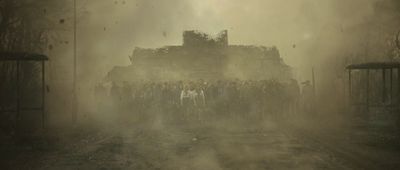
[[14, 56], [374, 65]]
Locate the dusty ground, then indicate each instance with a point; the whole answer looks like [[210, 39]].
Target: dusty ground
[[158, 146]]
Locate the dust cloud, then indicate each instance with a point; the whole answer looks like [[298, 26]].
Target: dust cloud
[[308, 33], [302, 30], [254, 113]]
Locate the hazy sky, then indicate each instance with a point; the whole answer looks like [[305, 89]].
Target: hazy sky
[[110, 29]]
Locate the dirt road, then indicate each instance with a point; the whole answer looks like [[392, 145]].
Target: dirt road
[[162, 147]]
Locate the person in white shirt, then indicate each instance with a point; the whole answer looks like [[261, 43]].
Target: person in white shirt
[[188, 100]]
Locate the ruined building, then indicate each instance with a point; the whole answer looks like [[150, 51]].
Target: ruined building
[[203, 57]]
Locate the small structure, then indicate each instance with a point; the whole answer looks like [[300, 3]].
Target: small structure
[[387, 93], [17, 59]]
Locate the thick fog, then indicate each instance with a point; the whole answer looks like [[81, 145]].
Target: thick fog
[[308, 33], [304, 31], [268, 88]]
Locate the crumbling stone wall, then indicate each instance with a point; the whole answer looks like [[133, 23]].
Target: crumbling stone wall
[[198, 39], [203, 57]]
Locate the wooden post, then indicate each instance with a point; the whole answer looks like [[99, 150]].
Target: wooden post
[[398, 87], [75, 103], [314, 98], [350, 91], [398, 98], [391, 87], [313, 81], [18, 95], [384, 85], [43, 94], [367, 83]]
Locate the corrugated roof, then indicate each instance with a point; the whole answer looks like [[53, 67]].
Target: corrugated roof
[[13, 56], [374, 65]]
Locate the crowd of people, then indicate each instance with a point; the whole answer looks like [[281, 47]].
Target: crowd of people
[[201, 100]]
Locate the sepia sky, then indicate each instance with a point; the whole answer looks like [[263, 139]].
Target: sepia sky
[[109, 30]]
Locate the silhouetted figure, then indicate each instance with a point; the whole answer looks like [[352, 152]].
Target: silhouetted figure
[[116, 99], [307, 97], [293, 96], [200, 100], [100, 93], [126, 97]]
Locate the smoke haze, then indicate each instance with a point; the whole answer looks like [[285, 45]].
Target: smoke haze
[[302, 30], [271, 91]]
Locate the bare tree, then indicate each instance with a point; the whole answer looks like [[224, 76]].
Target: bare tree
[[26, 26]]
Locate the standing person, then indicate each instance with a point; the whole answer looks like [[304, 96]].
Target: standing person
[[232, 99], [140, 100], [157, 98], [175, 97], [115, 93], [147, 100], [307, 97], [188, 100], [219, 99], [224, 99], [200, 102], [126, 97], [265, 105], [135, 97], [100, 97], [293, 93], [184, 101], [245, 100], [210, 93], [254, 98], [166, 101]]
